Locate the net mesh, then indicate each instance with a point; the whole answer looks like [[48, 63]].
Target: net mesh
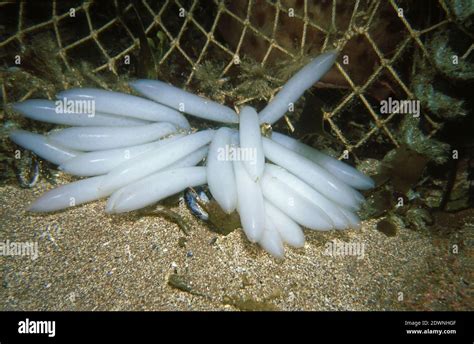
[[189, 34]]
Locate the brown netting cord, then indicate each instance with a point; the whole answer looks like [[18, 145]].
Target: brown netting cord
[[158, 23]]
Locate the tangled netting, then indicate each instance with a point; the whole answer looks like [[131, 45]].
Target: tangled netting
[[375, 36]]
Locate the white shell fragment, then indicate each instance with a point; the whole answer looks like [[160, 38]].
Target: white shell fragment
[[311, 173], [104, 161], [339, 169], [154, 160], [249, 203], [40, 145], [296, 86], [122, 104], [47, 111], [181, 100], [251, 142], [220, 171], [156, 187], [100, 138]]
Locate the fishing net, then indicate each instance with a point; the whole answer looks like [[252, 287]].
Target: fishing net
[[234, 52]]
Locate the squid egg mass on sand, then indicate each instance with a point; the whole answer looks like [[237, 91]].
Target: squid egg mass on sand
[[140, 150]]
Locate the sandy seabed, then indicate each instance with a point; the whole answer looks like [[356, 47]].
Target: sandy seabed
[[88, 260]]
